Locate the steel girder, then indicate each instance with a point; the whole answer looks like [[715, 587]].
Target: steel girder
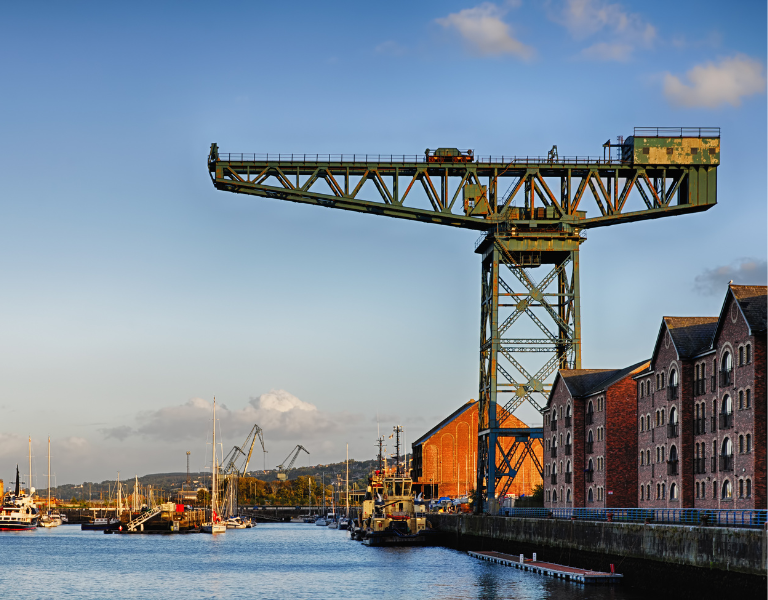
[[338, 181], [510, 300]]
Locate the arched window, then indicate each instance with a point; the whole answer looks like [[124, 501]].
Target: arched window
[[642, 457], [663, 490], [673, 378], [642, 389], [554, 495], [554, 441], [642, 423], [727, 491], [568, 495], [648, 491], [749, 485], [727, 447], [673, 415], [673, 453], [590, 409], [561, 412], [727, 363], [648, 457], [697, 451], [749, 398], [554, 468], [568, 467], [749, 442], [642, 492], [727, 405], [658, 491], [703, 489], [697, 489], [590, 496], [741, 399], [749, 356], [590, 437], [568, 439], [568, 411], [741, 356], [741, 444], [673, 491], [658, 418], [662, 380], [662, 416], [741, 488], [590, 465]]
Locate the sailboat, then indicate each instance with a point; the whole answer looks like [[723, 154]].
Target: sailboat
[[49, 520], [215, 525], [344, 521]]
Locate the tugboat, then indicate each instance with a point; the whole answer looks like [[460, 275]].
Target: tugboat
[[19, 512], [390, 516]]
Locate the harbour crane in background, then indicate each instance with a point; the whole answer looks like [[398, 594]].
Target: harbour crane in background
[[529, 327], [234, 467], [282, 470]]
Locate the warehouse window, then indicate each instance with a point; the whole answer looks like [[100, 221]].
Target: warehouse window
[[748, 396], [749, 353], [727, 491], [749, 488]]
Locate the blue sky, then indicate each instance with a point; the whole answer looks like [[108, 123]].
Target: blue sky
[[133, 292]]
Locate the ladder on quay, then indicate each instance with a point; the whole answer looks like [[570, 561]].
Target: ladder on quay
[[143, 518]]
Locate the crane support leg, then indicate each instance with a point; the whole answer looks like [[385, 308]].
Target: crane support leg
[[528, 330]]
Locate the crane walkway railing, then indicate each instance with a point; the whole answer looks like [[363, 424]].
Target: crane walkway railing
[[411, 158], [676, 516], [143, 518]]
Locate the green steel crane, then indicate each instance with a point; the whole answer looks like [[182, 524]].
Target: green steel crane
[[282, 470], [532, 212]]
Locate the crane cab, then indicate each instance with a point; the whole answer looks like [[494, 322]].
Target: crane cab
[[449, 155]]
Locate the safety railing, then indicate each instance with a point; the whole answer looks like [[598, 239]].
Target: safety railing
[[671, 516], [410, 159], [699, 132]]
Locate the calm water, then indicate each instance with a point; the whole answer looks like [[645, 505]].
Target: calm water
[[290, 561]]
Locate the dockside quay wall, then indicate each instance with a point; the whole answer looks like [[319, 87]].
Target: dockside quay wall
[[642, 549]]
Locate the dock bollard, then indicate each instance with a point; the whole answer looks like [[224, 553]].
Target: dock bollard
[[522, 558], [534, 557]]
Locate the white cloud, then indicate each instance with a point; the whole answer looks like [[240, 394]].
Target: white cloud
[[624, 31], [712, 85], [279, 413], [744, 271], [485, 33]]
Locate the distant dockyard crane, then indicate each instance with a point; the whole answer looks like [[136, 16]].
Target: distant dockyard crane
[[282, 470], [235, 466], [532, 224]]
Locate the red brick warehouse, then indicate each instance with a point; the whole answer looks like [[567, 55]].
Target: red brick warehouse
[[445, 458]]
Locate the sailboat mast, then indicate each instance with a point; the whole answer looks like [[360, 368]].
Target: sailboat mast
[[347, 480], [29, 483], [213, 465], [49, 475]]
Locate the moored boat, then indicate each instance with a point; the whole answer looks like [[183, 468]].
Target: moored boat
[[19, 512]]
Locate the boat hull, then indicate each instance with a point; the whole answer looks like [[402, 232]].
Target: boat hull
[[9, 526]]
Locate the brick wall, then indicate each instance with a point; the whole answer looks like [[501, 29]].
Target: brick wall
[[449, 458], [621, 444]]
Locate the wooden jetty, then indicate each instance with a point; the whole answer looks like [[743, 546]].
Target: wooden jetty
[[550, 569]]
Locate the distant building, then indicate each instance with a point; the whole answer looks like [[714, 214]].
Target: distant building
[[590, 442], [445, 458]]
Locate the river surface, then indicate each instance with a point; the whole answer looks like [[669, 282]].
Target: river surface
[[281, 561]]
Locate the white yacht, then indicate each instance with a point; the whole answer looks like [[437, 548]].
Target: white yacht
[[19, 512]]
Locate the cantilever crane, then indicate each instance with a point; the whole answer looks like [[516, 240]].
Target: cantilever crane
[[540, 220], [282, 470], [232, 472]]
